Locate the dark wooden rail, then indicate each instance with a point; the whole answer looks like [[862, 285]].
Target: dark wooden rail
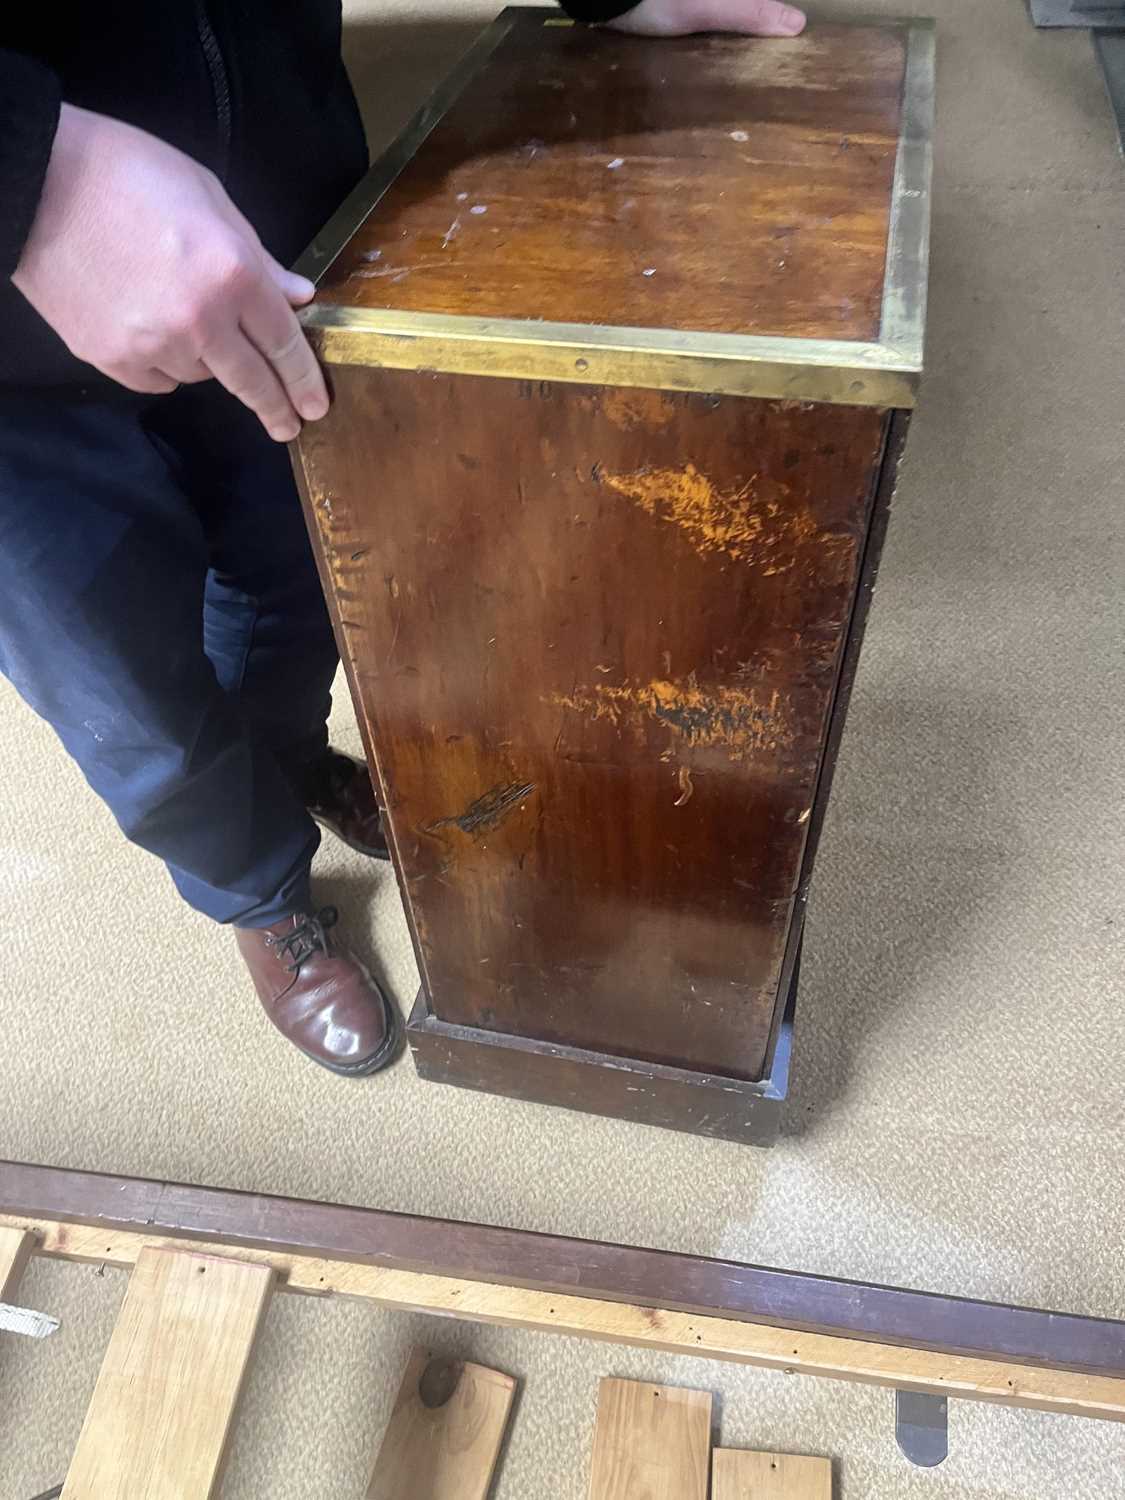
[[589, 1268]]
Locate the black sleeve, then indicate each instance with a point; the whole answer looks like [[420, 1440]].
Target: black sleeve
[[30, 97], [593, 11]]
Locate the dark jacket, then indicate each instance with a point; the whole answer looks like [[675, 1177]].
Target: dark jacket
[[253, 89]]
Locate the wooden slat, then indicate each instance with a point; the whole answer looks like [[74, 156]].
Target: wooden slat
[[1041, 1388], [697, 1285], [161, 1413], [16, 1246], [445, 1432], [738, 1475], [650, 1441]]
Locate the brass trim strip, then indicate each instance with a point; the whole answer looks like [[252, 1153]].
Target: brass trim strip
[[902, 323], [365, 196], [841, 371], [847, 372]]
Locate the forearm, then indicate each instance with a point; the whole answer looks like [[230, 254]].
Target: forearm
[[30, 99]]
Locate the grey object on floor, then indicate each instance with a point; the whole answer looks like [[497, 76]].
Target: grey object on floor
[[1110, 48], [922, 1427], [1105, 23], [1073, 13]]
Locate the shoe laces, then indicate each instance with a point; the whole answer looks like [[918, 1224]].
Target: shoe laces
[[308, 937]]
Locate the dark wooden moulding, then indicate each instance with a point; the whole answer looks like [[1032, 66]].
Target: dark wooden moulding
[[583, 1268]]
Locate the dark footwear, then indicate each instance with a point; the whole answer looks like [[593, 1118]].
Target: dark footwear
[[324, 1001], [339, 795]]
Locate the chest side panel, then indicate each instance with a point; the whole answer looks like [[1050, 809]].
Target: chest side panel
[[595, 634]]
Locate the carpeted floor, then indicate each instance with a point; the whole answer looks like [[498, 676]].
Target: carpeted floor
[[959, 1101]]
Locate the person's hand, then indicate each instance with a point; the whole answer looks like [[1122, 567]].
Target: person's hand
[[683, 17], [143, 266]]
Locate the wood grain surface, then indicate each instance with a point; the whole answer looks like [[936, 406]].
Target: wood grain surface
[[648, 1093], [55, 1203], [742, 1475], [158, 1423], [16, 1246], [721, 184], [595, 636], [1038, 1387], [445, 1432], [651, 1442]]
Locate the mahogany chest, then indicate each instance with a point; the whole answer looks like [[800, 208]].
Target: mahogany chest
[[622, 336]]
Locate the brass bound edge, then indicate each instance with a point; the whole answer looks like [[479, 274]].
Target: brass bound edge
[[840, 371]]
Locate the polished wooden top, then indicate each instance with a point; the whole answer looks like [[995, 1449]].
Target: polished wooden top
[[709, 184]]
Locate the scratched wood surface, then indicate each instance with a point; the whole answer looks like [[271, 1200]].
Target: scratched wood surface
[[720, 184], [594, 636]]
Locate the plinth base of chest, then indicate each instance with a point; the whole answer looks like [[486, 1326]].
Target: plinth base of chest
[[644, 1093]]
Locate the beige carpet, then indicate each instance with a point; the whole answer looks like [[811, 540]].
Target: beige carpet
[[960, 1104]]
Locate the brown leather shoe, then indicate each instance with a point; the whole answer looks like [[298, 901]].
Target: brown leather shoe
[[339, 795], [324, 1001]]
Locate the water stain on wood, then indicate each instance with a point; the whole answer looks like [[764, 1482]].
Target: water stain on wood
[[753, 524], [744, 720]]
